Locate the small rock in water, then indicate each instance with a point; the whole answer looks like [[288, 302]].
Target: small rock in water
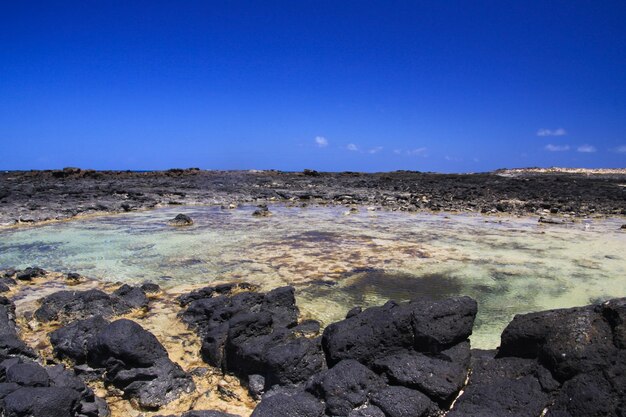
[[623, 226], [30, 273], [262, 211], [181, 220], [73, 277]]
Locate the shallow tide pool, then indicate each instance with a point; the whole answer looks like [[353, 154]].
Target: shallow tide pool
[[338, 261]]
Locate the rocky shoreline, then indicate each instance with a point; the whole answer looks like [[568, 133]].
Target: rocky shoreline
[[76, 347], [38, 196]]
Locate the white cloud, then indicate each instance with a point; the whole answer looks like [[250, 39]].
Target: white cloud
[[321, 141], [417, 151], [621, 149], [586, 149], [549, 132], [556, 148], [397, 151], [375, 150], [352, 147]]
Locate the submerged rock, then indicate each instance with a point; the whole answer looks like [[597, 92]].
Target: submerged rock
[[262, 211], [181, 220]]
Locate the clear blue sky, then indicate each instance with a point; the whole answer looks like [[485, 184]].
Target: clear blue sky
[[451, 86]]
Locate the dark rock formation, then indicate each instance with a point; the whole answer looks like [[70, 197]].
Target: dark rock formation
[[404, 402], [10, 343], [571, 362], [254, 334], [262, 211], [32, 196], [67, 306], [27, 389], [344, 387], [30, 273], [283, 405], [205, 413], [137, 363], [71, 341], [131, 359], [425, 326], [181, 220]]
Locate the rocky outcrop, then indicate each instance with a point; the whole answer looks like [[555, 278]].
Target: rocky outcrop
[[254, 335], [10, 343], [28, 389], [397, 360], [569, 362], [130, 358], [67, 306]]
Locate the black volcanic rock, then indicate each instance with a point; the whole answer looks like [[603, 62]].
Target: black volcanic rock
[[404, 402], [30, 273], [71, 341], [204, 413], [282, 405], [566, 341], [507, 386], [440, 376], [135, 297], [67, 306], [423, 325], [181, 220], [250, 333], [129, 357], [571, 362], [344, 387], [42, 402], [10, 343], [31, 390], [138, 364]]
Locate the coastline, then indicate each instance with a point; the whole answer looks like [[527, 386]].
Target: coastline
[[38, 197]]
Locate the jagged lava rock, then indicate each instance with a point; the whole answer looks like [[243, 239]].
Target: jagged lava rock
[[251, 333], [71, 341], [67, 306], [30, 390], [203, 413], [439, 376], [566, 341], [507, 386], [137, 363], [10, 343], [283, 405], [344, 387], [397, 401], [424, 325]]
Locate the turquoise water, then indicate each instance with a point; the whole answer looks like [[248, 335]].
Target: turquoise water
[[336, 261]]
